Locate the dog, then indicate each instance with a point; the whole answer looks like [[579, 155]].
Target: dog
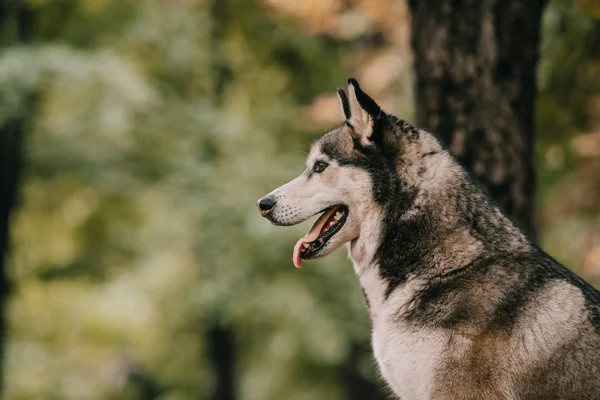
[[462, 304]]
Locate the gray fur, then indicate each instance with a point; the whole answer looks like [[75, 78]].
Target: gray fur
[[463, 305]]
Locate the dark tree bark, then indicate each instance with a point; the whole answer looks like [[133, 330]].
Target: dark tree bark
[[356, 385], [220, 338], [11, 150], [221, 346], [475, 64], [11, 160]]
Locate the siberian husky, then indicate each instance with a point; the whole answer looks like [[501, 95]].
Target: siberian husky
[[462, 304]]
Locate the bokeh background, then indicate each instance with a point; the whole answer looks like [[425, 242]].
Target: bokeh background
[[139, 267]]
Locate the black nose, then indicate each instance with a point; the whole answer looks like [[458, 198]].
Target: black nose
[[266, 204]]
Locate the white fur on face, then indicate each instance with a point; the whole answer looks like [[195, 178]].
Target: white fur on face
[[310, 193]]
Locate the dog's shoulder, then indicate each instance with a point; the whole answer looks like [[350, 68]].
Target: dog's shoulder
[[495, 289], [511, 318], [553, 270]]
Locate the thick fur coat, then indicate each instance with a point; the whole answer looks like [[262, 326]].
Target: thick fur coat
[[463, 305]]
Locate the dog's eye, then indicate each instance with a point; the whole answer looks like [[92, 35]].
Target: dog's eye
[[320, 166]]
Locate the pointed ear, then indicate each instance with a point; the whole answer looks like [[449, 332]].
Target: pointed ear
[[363, 111], [344, 105]]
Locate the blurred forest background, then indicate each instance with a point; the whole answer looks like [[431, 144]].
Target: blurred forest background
[[138, 265]]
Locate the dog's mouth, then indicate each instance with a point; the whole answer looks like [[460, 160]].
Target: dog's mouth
[[328, 224]]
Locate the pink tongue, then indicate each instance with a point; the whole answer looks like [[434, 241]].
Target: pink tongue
[[311, 236]]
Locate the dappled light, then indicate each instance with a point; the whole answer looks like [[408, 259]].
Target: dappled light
[[152, 127]]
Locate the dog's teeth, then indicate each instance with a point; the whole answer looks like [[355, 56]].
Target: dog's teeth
[[306, 245], [338, 215]]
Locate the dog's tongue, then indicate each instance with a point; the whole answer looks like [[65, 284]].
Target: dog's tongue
[[312, 235]]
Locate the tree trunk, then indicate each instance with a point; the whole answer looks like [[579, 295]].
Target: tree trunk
[[220, 337], [221, 346], [356, 385], [11, 158], [11, 145], [475, 64]]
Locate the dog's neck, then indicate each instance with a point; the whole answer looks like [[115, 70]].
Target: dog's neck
[[363, 249], [440, 232]]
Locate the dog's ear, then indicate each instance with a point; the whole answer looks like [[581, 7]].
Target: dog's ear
[[344, 105], [363, 113]]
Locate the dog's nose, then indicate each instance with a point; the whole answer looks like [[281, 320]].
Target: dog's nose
[[266, 204]]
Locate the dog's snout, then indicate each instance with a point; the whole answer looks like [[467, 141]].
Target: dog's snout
[[266, 204]]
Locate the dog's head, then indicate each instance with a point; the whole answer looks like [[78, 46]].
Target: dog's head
[[372, 160]]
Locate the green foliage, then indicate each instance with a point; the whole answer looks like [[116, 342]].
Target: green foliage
[[567, 107], [157, 126], [138, 222], [569, 72]]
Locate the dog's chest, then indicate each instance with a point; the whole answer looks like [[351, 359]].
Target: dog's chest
[[407, 356], [407, 359]]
